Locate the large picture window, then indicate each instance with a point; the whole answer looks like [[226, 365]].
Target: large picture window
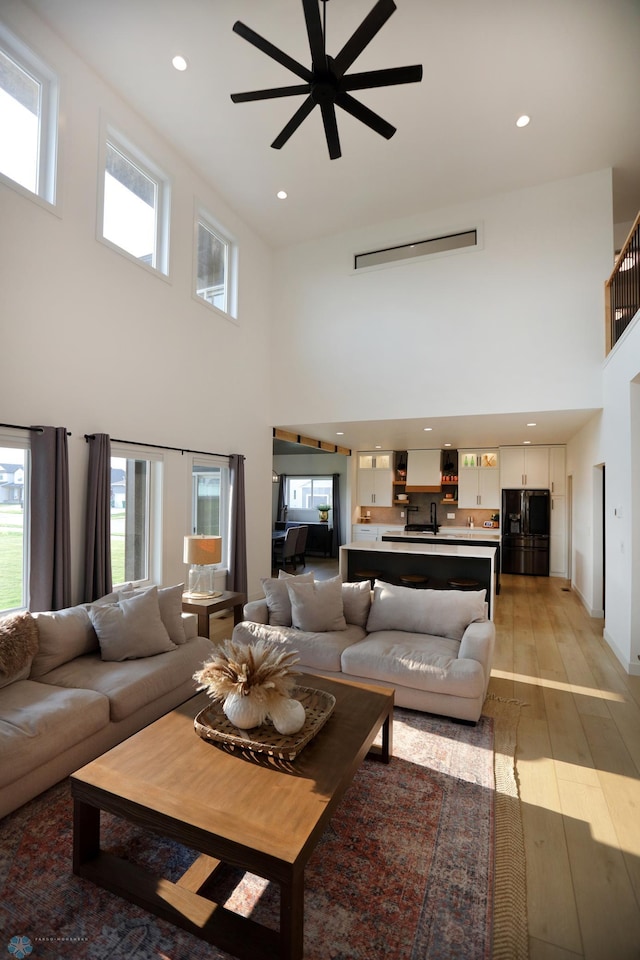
[[135, 497], [14, 525], [303, 496], [210, 501], [28, 118]]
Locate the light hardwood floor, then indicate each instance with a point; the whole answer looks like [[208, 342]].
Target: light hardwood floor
[[578, 765]]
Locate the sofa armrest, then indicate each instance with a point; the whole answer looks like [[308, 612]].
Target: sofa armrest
[[478, 642], [257, 611], [190, 622]]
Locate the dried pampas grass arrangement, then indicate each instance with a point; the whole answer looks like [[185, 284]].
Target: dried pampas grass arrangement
[[250, 680]]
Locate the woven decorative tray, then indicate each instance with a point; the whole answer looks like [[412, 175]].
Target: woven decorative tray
[[212, 724]]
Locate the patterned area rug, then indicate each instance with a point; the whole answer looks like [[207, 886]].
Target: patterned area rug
[[405, 870]]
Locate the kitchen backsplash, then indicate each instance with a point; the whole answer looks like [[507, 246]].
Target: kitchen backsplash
[[423, 502]]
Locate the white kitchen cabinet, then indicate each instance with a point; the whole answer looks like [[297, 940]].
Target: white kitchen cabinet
[[522, 467], [478, 479], [558, 471], [364, 531], [423, 469], [375, 478], [558, 537]]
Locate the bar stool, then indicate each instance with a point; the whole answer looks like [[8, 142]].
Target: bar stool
[[414, 580], [367, 575], [463, 583]]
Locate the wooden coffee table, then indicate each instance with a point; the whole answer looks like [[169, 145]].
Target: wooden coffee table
[[256, 812]]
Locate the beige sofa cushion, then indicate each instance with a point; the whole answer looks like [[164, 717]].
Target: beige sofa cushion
[[441, 613], [277, 596], [39, 721], [317, 606], [170, 603], [317, 651], [131, 628], [65, 634], [415, 660], [132, 684], [356, 602]]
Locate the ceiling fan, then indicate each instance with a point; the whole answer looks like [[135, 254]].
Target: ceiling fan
[[327, 83]]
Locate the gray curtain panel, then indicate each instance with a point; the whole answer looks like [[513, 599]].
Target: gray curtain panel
[[97, 552], [50, 536], [336, 539], [238, 527], [282, 486]]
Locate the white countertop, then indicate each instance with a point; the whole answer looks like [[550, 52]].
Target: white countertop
[[437, 549]]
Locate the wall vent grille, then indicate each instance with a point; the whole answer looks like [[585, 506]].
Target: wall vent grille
[[418, 248]]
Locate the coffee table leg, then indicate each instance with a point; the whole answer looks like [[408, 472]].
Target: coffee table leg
[[292, 917], [86, 833], [387, 739]]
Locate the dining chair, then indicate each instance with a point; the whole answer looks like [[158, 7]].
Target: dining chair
[[285, 550], [301, 545]]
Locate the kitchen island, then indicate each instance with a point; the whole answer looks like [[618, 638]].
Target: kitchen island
[[485, 537], [391, 559]]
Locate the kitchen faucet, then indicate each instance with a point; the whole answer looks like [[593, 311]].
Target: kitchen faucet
[[433, 517]]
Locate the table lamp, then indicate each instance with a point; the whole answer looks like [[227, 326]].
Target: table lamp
[[202, 553]]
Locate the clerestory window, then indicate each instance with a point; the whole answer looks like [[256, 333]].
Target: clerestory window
[[28, 119], [215, 265]]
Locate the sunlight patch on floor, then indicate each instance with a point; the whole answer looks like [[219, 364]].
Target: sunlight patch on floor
[[559, 685]]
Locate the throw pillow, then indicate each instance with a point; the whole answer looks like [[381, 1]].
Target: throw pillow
[[170, 602], [275, 590], [356, 598], [63, 636], [316, 607], [131, 629], [18, 646], [440, 613]]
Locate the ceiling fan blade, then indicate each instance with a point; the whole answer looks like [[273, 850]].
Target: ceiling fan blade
[[314, 32], [372, 23], [366, 116], [266, 47], [381, 78], [271, 94], [331, 130], [301, 114]]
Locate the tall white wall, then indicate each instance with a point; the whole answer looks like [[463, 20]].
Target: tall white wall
[[585, 457], [95, 342], [621, 445], [482, 331]]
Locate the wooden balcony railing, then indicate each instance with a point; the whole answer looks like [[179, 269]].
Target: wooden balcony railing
[[622, 289]]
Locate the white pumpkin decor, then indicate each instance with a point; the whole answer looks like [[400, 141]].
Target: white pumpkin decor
[[251, 681], [287, 715], [244, 712]]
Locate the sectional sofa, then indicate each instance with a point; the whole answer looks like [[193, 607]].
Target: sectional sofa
[[434, 647], [75, 682]]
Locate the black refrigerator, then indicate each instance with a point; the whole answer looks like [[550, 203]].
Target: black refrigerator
[[526, 516]]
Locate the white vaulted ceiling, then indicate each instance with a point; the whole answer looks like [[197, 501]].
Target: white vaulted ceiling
[[572, 65]]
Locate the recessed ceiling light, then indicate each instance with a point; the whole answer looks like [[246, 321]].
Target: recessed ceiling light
[[281, 194], [447, 444], [378, 447], [339, 433], [427, 429], [523, 121], [526, 441], [179, 62], [532, 424]]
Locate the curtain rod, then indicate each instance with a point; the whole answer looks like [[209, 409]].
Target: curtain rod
[[160, 446], [17, 426]]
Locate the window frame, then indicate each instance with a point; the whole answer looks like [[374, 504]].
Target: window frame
[[224, 516], [48, 120], [24, 444], [304, 513], [111, 136], [153, 519], [203, 217]]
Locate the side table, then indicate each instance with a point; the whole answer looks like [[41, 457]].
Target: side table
[[204, 608]]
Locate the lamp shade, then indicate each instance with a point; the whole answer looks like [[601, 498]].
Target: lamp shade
[[202, 550]]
